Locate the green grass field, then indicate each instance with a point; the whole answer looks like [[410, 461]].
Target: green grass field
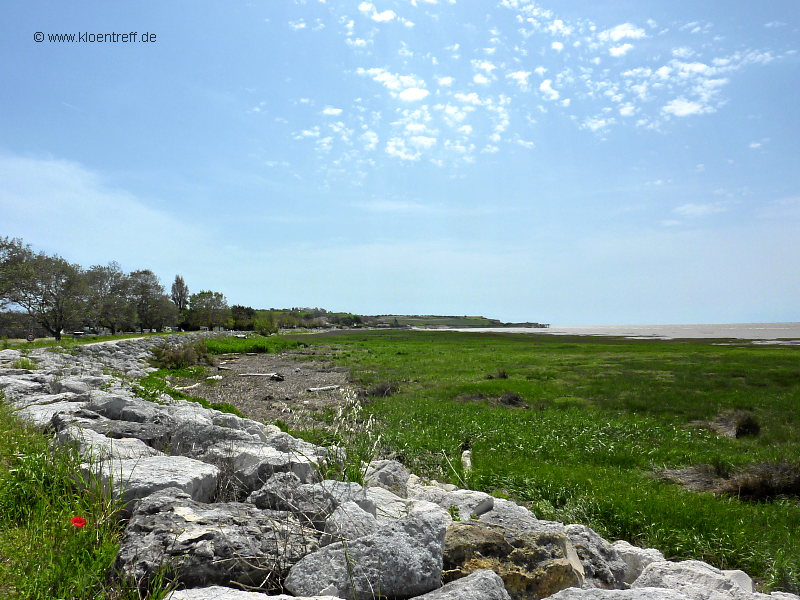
[[600, 416]]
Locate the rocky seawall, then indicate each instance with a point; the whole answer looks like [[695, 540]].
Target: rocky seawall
[[237, 510]]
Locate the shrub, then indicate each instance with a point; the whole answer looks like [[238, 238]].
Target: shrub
[[24, 363], [180, 357]]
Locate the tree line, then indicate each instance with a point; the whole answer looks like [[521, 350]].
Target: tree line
[[61, 296]]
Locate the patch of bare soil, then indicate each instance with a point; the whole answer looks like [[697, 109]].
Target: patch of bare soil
[[272, 387]]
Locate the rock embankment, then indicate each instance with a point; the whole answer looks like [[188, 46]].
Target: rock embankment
[[238, 510]]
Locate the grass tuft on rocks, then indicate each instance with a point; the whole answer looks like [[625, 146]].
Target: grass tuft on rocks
[[58, 539]]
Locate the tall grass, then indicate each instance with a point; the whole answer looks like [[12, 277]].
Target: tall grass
[[58, 539], [258, 344]]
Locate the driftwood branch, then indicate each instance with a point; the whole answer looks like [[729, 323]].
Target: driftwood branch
[[324, 388]]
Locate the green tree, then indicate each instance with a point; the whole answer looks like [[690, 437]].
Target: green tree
[[264, 323], [180, 293], [242, 317], [52, 290], [110, 296], [154, 309], [208, 309]]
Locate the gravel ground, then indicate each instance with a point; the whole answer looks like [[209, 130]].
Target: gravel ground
[[264, 399]]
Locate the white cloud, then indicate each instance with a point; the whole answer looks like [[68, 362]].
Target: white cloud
[[620, 50], [445, 81], [680, 107], [481, 79], [413, 94], [483, 65], [521, 77], [546, 87], [627, 110], [557, 46], [331, 111], [558, 27], [384, 16], [422, 141], [368, 8], [370, 140], [82, 200], [297, 25], [397, 147], [357, 42], [682, 52], [620, 32], [755, 145], [470, 98], [596, 123]]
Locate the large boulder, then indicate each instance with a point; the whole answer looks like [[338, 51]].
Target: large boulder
[[285, 491], [388, 474], [95, 447], [132, 479], [601, 562], [532, 565], [216, 592], [693, 578], [465, 504], [347, 523], [155, 435], [635, 559], [602, 594], [206, 544], [119, 407], [508, 514], [400, 560], [480, 585]]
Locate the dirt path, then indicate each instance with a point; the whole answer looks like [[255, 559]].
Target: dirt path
[[267, 400]]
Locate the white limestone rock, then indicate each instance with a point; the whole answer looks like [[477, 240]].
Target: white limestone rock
[[348, 522], [601, 562], [635, 559], [480, 585], [388, 474], [216, 592], [94, 447], [632, 594], [41, 415], [132, 479], [401, 560], [468, 503], [695, 579]]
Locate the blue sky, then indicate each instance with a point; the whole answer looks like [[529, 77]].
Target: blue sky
[[604, 162]]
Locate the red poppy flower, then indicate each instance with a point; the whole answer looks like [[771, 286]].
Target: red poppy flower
[[78, 521]]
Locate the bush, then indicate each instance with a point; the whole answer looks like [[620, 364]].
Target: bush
[[180, 357], [24, 363]]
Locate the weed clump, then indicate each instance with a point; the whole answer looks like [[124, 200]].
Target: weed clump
[[24, 363], [383, 389], [499, 374], [183, 356], [736, 423], [764, 481]]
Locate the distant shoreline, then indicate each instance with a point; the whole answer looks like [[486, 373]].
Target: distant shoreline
[[765, 333]]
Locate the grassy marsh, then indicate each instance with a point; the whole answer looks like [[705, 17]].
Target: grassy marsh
[[601, 415]]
